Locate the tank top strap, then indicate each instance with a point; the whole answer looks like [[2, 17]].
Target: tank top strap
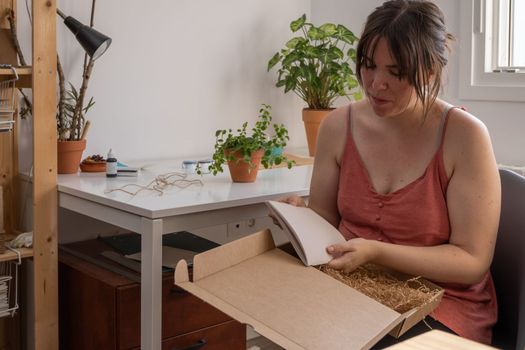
[[443, 126], [350, 122], [440, 161]]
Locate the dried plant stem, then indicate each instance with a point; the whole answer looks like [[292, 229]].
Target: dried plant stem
[[14, 39], [61, 97], [78, 114]]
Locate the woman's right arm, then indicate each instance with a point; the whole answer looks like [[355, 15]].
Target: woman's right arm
[[325, 177]]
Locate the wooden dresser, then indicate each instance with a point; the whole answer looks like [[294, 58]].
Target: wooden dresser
[[100, 310]]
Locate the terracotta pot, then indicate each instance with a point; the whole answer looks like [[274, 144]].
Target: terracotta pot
[[69, 156], [240, 171], [312, 119]]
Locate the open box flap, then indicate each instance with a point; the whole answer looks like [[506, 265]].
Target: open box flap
[[410, 318], [295, 306]]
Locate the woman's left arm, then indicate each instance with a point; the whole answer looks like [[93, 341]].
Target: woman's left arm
[[473, 200]]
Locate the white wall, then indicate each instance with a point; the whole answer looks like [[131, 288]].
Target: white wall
[[505, 120], [178, 70]]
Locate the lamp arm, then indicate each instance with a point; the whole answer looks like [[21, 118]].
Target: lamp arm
[[91, 23], [61, 14], [92, 17]]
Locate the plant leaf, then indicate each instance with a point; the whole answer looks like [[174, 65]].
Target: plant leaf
[[329, 29], [289, 85], [346, 35], [298, 23], [315, 33], [290, 58], [273, 61], [351, 53], [292, 43], [352, 82], [336, 53], [281, 83]]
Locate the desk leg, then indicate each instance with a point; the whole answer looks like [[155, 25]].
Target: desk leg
[[151, 285]]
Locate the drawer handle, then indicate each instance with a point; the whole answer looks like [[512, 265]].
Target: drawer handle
[[177, 290], [199, 344]]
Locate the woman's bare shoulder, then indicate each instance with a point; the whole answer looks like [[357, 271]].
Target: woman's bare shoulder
[[333, 132], [464, 127], [466, 136], [336, 118]]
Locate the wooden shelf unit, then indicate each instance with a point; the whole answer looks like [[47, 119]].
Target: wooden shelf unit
[[24, 76], [11, 256], [41, 78]]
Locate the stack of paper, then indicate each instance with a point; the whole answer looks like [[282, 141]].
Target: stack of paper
[[4, 295]]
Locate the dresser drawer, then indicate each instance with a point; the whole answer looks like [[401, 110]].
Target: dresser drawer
[[101, 310], [226, 336], [181, 313]]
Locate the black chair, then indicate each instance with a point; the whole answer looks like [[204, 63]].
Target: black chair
[[508, 266]]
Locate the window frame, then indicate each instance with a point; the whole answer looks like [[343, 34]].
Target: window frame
[[476, 80]]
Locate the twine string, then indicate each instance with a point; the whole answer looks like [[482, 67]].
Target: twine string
[[160, 184]]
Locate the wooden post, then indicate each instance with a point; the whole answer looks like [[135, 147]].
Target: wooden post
[[45, 247], [7, 139]]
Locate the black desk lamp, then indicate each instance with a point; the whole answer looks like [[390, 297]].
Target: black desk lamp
[[94, 42]]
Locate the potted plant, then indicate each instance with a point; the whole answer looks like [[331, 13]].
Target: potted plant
[[72, 128], [316, 66], [244, 152]]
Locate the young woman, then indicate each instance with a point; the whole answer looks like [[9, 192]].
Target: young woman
[[409, 180]]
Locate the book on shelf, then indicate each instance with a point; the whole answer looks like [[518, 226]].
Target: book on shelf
[[308, 232]]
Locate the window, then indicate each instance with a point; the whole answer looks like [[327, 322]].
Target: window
[[508, 31], [493, 50]]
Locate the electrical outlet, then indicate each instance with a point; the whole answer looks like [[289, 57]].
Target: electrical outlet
[[250, 223], [236, 228]]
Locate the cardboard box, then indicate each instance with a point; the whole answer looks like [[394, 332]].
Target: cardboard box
[[295, 306]]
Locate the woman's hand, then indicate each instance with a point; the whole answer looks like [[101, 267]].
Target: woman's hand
[[350, 255], [292, 200]]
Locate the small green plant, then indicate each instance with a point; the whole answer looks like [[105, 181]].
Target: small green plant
[[70, 123], [229, 142], [316, 65]]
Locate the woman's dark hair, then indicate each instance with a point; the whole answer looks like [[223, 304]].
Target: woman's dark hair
[[418, 41]]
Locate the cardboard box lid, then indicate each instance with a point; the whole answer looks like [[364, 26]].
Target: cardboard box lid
[[295, 306]]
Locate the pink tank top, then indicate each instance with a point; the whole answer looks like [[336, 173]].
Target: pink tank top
[[414, 215]]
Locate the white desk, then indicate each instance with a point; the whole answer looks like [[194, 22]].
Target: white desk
[[217, 201]]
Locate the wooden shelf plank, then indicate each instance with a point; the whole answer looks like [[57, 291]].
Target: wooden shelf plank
[[24, 74], [10, 255]]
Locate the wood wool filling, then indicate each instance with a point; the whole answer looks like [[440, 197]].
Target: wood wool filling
[[378, 284]]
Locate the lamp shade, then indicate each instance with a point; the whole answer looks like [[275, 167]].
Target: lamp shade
[[94, 42]]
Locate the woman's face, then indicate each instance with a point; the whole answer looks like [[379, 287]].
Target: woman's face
[[388, 94]]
